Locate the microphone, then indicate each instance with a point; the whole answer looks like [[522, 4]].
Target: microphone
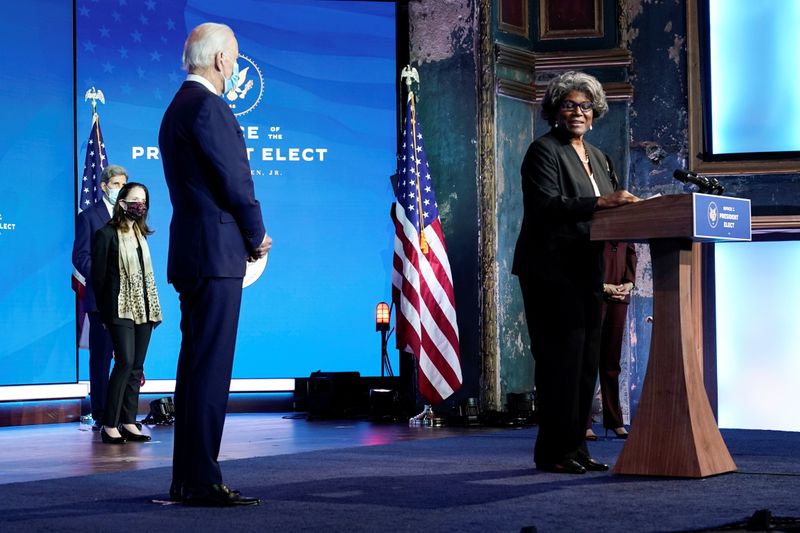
[[718, 189], [705, 185]]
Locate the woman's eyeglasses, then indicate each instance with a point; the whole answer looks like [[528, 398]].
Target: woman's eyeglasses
[[570, 105]]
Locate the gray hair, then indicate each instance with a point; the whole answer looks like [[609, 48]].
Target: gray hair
[[560, 86], [203, 43], [112, 170]]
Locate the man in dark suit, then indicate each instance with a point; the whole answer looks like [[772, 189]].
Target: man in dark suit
[[101, 349], [216, 228]]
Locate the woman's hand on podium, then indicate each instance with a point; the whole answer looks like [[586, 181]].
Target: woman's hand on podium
[[616, 199]]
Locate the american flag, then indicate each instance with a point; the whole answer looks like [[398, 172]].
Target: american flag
[[93, 166], [422, 284], [91, 192]]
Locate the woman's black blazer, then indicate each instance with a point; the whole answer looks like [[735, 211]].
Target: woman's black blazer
[[559, 202], [105, 272]]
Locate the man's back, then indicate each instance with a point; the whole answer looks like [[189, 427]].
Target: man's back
[[216, 219]]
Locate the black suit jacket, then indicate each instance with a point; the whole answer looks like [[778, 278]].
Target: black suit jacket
[[216, 219], [559, 201], [88, 222], [105, 272]]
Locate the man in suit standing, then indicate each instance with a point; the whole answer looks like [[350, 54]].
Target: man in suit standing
[[216, 228], [101, 349]]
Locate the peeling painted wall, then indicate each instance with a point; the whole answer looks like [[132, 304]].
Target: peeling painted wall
[[515, 130], [442, 41], [440, 29], [655, 32], [647, 141]]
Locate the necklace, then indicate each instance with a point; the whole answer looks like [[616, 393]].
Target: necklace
[[585, 158]]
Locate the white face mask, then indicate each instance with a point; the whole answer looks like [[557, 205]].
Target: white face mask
[[112, 194], [232, 82]]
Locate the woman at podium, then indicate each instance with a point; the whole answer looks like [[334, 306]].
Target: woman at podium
[[564, 181]]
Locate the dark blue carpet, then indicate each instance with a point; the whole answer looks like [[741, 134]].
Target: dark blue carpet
[[481, 482]]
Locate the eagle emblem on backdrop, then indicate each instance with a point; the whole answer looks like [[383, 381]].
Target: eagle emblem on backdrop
[[249, 90]]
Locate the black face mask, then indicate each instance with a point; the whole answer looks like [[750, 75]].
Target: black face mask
[[134, 210]]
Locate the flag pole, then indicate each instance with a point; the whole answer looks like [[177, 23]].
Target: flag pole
[[78, 280], [410, 75], [423, 243], [94, 95], [422, 283]]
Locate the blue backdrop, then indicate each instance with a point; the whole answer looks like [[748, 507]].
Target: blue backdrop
[[318, 105], [37, 209]]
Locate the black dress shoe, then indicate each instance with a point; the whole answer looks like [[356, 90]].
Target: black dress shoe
[[108, 439], [590, 464], [215, 496], [176, 492], [620, 433], [567, 466], [133, 437]]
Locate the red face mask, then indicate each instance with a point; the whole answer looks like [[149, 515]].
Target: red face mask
[[134, 210]]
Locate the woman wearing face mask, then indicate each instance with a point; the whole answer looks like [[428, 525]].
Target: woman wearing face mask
[[89, 220], [127, 299]]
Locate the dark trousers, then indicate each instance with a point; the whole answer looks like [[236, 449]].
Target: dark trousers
[[564, 325], [130, 348], [101, 351], [613, 329], [209, 321]]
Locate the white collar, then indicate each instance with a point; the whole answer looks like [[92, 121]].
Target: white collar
[[202, 81], [109, 205]]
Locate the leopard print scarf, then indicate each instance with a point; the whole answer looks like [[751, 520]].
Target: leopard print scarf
[[132, 284]]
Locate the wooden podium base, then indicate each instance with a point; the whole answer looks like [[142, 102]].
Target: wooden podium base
[[674, 432]]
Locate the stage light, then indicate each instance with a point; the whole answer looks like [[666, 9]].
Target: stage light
[[384, 405], [334, 394], [469, 412], [522, 407], [382, 316]]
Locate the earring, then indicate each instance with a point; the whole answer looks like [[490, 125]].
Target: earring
[[590, 127], [555, 125]]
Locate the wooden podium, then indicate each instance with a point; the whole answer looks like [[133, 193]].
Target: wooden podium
[[674, 432]]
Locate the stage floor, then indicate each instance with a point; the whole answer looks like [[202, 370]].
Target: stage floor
[[357, 476], [51, 451]]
